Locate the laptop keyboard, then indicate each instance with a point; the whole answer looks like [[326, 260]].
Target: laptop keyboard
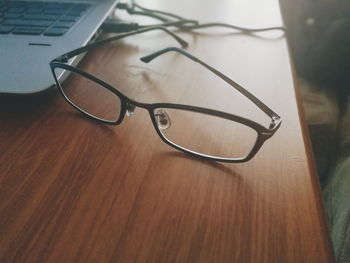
[[39, 18]]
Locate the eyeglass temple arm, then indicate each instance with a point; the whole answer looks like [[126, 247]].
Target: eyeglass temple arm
[[275, 117], [65, 57]]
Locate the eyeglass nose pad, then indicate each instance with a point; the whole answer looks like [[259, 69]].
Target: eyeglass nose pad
[[130, 109], [163, 120]]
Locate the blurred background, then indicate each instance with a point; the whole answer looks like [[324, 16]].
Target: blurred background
[[318, 33]]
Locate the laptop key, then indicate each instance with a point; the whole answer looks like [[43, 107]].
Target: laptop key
[[34, 5], [82, 6], [63, 24], [26, 22], [54, 11], [28, 30], [34, 10], [75, 13], [40, 16], [18, 4], [59, 5], [13, 15], [6, 29], [16, 10], [69, 18], [56, 31]]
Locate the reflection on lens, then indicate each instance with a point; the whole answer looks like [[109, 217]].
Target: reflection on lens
[[91, 97], [205, 134]]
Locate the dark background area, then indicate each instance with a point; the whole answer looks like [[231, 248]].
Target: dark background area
[[318, 33]]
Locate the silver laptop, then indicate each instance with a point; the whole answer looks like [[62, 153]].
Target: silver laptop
[[34, 32]]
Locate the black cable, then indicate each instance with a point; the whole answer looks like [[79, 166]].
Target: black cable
[[133, 12], [180, 23], [118, 26], [243, 29], [158, 14]]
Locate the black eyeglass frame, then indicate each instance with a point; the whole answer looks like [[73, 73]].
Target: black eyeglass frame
[[263, 133]]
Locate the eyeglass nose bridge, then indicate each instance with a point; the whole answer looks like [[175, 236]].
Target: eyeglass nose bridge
[[130, 109]]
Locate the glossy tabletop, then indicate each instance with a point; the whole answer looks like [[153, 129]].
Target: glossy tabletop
[[73, 190]]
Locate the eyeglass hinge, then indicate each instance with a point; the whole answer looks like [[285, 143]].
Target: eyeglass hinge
[[62, 59], [275, 120]]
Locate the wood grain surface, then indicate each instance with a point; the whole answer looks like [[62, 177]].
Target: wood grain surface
[[73, 190]]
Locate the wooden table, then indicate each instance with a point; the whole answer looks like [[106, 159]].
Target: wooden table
[[72, 190]]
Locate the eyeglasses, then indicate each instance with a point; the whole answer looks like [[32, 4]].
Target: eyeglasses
[[201, 132]]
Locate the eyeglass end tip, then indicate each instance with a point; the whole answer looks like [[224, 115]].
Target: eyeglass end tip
[[145, 59]]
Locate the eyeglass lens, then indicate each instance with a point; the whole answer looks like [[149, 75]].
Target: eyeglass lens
[[90, 97], [205, 134]]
